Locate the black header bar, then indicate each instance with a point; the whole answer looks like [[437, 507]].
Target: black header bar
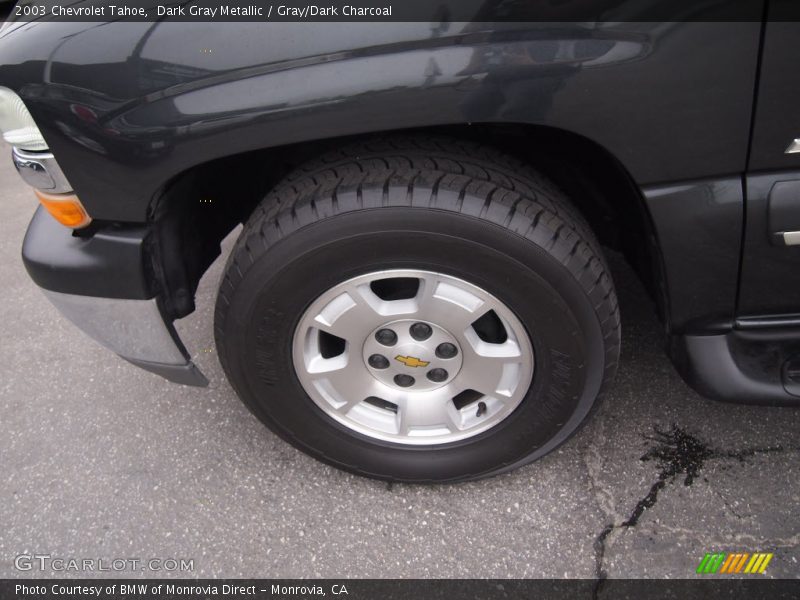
[[402, 10]]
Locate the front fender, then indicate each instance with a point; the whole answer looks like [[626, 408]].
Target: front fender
[[127, 106]]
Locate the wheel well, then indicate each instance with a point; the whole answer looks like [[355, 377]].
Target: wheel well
[[199, 207]]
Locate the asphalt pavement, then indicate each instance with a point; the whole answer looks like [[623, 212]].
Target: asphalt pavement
[[101, 460]]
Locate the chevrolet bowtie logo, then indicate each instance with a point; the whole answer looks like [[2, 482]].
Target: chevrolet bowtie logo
[[412, 361]]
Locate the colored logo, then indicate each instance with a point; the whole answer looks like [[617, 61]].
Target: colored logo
[[412, 361], [734, 562]]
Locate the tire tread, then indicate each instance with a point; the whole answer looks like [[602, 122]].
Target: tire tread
[[435, 173]]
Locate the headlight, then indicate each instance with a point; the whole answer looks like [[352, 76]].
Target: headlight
[[17, 124], [37, 166]]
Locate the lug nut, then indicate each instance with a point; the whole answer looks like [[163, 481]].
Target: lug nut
[[386, 337], [420, 331], [437, 375], [446, 350], [404, 380], [376, 361]]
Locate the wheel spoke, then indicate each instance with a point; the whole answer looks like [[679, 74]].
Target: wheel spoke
[[349, 315], [344, 387], [421, 414], [448, 305], [492, 369]]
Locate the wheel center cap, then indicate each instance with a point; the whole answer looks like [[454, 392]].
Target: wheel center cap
[[412, 355]]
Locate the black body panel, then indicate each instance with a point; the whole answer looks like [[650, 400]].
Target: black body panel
[[777, 119], [743, 366], [770, 269], [125, 120], [670, 101], [109, 264], [699, 230]]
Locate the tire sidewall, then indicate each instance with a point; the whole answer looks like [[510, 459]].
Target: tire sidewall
[[275, 291]]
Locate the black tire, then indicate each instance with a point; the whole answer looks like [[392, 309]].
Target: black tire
[[426, 203]]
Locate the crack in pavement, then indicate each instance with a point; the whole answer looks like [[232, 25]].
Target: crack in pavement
[[729, 506], [676, 453]]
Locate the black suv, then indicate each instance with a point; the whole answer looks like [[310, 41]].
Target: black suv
[[419, 291]]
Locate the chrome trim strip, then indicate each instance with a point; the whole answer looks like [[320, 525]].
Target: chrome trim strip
[[769, 322], [791, 238], [40, 170], [794, 147], [134, 329]]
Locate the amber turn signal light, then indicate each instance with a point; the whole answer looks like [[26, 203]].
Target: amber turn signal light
[[65, 208]]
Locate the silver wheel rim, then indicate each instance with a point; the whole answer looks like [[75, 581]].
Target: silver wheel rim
[[455, 394]]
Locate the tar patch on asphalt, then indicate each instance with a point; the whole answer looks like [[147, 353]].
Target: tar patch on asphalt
[[677, 453]]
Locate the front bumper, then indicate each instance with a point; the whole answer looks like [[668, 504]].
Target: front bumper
[[100, 284]]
